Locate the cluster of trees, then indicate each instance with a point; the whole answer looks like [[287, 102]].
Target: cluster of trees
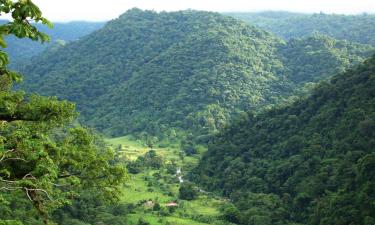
[[45, 161], [354, 28], [85, 209], [188, 191], [163, 73], [149, 160], [308, 163]]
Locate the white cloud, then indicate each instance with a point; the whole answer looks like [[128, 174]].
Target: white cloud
[[67, 10]]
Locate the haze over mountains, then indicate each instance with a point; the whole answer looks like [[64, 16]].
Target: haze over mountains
[[23, 49], [286, 25], [354, 28], [193, 71]]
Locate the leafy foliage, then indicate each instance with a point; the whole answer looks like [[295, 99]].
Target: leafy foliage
[[308, 163], [39, 160], [188, 191], [149, 160]]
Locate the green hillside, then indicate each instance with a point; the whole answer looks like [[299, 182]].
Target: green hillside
[[188, 70], [355, 28], [317, 57], [186, 118], [308, 163]]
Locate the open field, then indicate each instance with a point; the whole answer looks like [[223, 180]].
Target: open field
[[157, 186]]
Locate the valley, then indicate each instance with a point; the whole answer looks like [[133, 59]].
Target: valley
[[187, 118]]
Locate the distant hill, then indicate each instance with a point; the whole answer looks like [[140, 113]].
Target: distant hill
[[354, 28], [309, 163], [20, 49], [317, 57], [189, 71]]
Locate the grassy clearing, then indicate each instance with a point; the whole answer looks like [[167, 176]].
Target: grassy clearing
[[162, 220], [131, 149], [137, 190], [160, 187], [204, 206]]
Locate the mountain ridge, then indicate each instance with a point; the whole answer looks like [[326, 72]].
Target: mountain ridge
[[186, 70], [287, 25]]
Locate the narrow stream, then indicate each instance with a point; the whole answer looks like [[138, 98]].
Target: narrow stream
[[179, 175]]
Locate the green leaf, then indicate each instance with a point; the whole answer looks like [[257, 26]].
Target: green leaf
[[3, 43], [3, 59], [15, 76], [4, 173]]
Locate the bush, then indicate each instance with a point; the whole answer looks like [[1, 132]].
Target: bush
[[142, 221], [230, 213], [187, 191]]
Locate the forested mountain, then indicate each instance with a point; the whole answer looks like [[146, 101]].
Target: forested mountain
[[308, 163], [190, 70], [354, 28], [20, 49], [317, 57]]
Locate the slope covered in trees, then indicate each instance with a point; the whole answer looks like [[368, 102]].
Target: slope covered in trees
[[317, 57], [191, 70], [308, 163], [354, 28]]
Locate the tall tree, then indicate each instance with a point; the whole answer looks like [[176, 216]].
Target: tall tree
[[43, 156]]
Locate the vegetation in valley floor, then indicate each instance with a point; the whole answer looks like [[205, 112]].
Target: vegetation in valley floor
[[155, 185]]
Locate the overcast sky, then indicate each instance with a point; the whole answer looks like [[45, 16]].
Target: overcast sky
[[100, 10]]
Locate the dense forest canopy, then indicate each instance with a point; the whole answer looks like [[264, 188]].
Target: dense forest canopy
[[194, 71], [354, 28], [308, 163]]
